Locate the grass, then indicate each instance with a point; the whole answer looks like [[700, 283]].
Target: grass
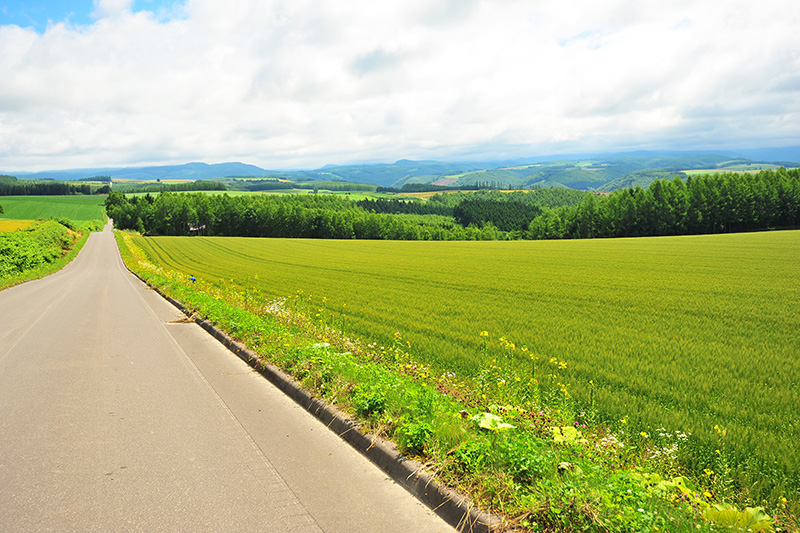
[[36, 251], [78, 208], [677, 335], [750, 168], [33, 247], [686, 333]]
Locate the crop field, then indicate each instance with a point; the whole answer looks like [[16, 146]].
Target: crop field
[[749, 168], [691, 333], [78, 208], [13, 225]]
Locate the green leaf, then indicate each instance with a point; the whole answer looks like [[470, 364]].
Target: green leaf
[[491, 422], [566, 434], [751, 519]]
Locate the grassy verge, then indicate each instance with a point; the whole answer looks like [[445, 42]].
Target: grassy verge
[[512, 438], [39, 250], [684, 333]]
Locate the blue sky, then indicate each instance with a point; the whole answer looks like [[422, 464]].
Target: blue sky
[[37, 14], [304, 83]]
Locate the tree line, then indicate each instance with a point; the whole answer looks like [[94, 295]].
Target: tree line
[[429, 187], [717, 203], [199, 185], [287, 216], [394, 206], [506, 216], [39, 188], [701, 204]]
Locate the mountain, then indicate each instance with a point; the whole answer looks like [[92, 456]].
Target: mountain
[[588, 171]]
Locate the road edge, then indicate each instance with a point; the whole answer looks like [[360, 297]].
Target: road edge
[[453, 507]]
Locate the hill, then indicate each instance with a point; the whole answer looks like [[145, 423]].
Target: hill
[[600, 172]]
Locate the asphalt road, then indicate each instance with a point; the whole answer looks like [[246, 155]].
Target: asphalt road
[[116, 416]]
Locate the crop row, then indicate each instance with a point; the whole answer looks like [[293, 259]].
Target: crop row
[[687, 333]]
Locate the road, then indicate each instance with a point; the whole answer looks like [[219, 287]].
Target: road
[[117, 416]]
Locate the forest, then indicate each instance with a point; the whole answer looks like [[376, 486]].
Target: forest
[[703, 204], [199, 185], [11, 186], [288, 216], [717, 203]]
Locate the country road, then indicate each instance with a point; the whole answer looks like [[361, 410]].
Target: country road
[[117, 416]]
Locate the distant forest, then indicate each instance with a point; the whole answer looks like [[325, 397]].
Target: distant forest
[[295, 216], [702, 204], [200, 185], [717, 203], [11, 186]]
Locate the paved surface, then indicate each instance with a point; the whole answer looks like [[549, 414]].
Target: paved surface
[[115, 416]]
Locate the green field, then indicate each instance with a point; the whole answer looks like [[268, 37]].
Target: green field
[[750, 168], [685, 333], [78, 208]]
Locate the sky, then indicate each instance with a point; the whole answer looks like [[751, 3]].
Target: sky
[[304, 83]]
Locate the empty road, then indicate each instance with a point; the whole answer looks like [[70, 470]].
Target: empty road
[[117, 416]]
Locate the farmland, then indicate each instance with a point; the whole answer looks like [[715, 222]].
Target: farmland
[[31, 249], [14, 225], [78, 208], [684, 333]]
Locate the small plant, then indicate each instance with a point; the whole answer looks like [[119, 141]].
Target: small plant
[[413, 435], [369, 400], [750, 519]]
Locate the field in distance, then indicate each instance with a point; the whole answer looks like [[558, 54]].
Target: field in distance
[[683, 333], [13, 225], [78, 208]]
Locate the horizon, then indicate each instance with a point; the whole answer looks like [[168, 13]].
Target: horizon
[[542, 158], [285, 85]]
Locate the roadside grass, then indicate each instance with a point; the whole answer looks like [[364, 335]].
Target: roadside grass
[[38, 250], [510, 435], [679, 333]]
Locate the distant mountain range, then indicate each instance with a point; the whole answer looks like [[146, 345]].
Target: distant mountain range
[[585, 171]]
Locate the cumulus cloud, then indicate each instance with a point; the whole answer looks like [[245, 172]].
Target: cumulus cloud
[[301, 83]]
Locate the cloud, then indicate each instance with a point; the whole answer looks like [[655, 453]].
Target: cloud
[[284, 83], [111, 8]]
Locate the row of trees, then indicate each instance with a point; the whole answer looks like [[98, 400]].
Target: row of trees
[[393, 206], [291, 216], [702, 204], [715, 203], [428, 187], [199, 185], [506, 216], [542, 197], [39, 188]]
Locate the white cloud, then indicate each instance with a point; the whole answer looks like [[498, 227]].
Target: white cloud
[[111, 8], [304, 83]]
